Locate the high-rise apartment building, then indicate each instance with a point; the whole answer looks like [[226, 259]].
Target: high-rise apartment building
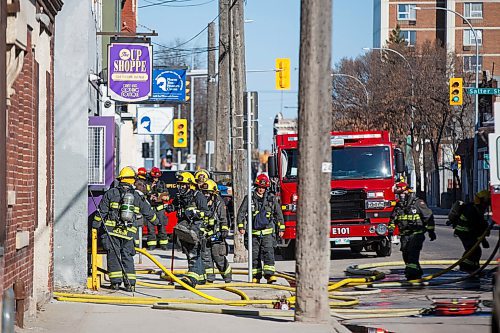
[[420, 20]]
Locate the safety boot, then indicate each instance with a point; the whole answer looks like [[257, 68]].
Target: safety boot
[[115, 286], [188, 281], [255, 280], [228, 279], [130, 288], [151, 248], [163, 247], [271, 279]]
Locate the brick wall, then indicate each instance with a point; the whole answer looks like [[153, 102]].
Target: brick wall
[[129, 16]]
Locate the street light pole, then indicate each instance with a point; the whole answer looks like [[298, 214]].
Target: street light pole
[[412, 116], [359, 81], [476, 102]]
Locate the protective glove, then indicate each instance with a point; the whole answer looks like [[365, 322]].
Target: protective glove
[[432, 235], [485, 244], [169, 208], [224, 234]]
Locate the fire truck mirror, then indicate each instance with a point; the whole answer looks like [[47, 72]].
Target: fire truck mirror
[[400, 161], [271, 167]]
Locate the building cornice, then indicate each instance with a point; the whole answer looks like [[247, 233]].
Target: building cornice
[[51, 7]]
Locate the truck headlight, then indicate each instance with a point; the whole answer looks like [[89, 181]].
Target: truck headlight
[[381, 229], [375, 195]]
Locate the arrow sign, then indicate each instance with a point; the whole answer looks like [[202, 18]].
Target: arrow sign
[[483, 91]]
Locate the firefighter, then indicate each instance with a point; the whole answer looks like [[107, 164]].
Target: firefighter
[[158, 196], [142, 173], [118, 208], [201, 176], [216, 230], [191, 207], [266, 211], [470, 225], [414, 219]]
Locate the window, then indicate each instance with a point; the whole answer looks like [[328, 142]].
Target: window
[[473, 10], [470, 63], [410, 36], [469, 37], [96, 155], [407, 12]]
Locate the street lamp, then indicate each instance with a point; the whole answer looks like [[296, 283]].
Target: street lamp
[[412, 125], [359, 81], [476, 115]]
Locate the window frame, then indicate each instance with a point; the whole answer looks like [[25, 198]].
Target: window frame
[[409, 39], [469, 42], [408, 12], [97, 154], [469, 66], [468, 7]]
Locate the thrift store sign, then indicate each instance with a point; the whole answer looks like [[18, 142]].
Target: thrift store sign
[[129, 71]]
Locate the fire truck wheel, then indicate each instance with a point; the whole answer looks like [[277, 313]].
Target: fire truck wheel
[[288, 253], [384, 248], [356, 249]]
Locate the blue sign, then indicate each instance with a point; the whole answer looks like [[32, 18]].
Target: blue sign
[[169, 85]]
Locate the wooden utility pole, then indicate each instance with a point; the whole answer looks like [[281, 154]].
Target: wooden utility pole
[[211, 91], [237, 89], [314, 168], [222, 157]]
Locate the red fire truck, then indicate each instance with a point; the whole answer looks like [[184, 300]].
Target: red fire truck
[[364, 169]]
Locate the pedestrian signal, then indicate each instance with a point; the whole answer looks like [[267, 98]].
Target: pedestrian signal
[[283, 73], [180, 133], [456, 91]]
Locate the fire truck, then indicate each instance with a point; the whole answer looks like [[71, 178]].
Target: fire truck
[[364, 170]]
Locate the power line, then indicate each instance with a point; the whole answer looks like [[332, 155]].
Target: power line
[[180, 6]]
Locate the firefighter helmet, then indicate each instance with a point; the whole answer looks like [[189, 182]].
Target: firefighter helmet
[[185, 178], [262, 181], [201, 176], [483, 196], [127, 175], [209, 186], [142, 173], [155, 172], [401, 187]]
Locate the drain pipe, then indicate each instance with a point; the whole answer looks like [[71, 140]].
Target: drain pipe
[[8, 310]]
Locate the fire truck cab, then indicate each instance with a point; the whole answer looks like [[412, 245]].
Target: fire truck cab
[[364, 170]]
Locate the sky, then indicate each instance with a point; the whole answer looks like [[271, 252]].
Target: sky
[[273, 33]]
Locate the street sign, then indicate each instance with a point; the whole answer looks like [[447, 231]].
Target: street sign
[[483, 91], [169, 85], [191, 158], [151, 120], [209, 147]]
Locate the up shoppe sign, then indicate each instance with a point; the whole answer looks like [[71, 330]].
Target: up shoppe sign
[[129, 71]]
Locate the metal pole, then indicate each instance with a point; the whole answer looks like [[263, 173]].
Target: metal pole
[[359, 81], [156, 143], [191, 123], [179, 154], [249, 190]]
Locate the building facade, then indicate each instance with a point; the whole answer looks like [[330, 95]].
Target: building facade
[[419, 21]]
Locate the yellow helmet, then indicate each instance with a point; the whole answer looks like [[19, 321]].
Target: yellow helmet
[[209, 186], [127, 175], [201, 176], [185, 178], [482, 196]]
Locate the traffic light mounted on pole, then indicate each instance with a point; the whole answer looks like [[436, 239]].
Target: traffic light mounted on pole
[[283, 73], [456, 91], [188, 91], [180, 133]]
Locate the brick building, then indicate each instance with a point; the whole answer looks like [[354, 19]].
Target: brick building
[[418, 25], [27, 219]]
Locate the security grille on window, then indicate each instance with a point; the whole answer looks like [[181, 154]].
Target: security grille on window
[[469, 37], [473, 10], [470, 63], [407, 12], [96, 155], [410, 36]]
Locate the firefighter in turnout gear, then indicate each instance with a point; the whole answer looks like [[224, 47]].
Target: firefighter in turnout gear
[[119, 207], [158, 196], [470, 225], [414, 219], [192, 209], [216, 230], [266, 219]]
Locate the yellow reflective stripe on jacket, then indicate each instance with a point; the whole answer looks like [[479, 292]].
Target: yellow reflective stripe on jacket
[[461, 228], [118, 235], [264, 232], [97, 218], [160, 207], [227, 271], [269, 268], [412, 217], [196, 276], [163, 241], [110, 223], [225, 227], [132, 229], [114, 205], [282, 227], [430, 227], [154, 218], [131, 276], [117, 274], [136, 209]]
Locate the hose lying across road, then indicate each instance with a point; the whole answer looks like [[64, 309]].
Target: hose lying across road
[[340, 300]]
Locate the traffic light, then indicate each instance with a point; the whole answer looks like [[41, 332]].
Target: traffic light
[[283, 73], [456, 91], [180, 133], [145, 150], [188, 91]]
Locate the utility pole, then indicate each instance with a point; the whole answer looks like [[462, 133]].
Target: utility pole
[[211, 89], [314, 168], [222, 158], [237, 88]]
